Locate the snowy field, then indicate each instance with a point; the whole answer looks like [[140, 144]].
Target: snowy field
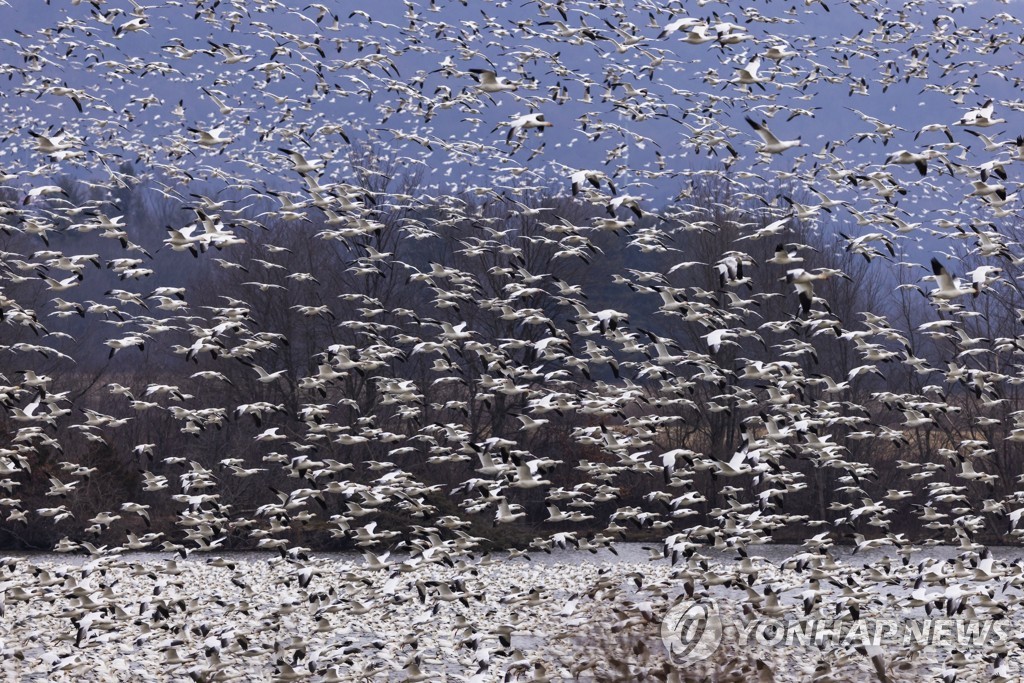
[[259, 617]]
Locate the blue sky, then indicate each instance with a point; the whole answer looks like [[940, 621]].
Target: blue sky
[[402, 82]]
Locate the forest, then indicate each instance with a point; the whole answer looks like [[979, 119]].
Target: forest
[[314, 351]]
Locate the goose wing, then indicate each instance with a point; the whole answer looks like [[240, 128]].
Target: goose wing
[[942, 276], [762, 130]]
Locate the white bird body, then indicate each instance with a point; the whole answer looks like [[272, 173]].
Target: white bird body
[[779, 52], [507, 513], [770, 143], [525, 122], [748, 74], [211, 138], [947, 287], [267, 377], [981, 117], [698, 34], [918, 159], [679, 24], [490, 82]]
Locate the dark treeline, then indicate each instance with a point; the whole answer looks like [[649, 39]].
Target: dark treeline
[[452, 340]]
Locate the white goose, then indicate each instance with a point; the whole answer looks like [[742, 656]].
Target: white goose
[[770, 143], [679, 24], [918, 159], [521, 124], [982, 117], [489, 81], [747, 75], [211, 138], [947, 287]]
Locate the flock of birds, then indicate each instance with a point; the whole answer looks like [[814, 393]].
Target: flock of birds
[[403, 177]]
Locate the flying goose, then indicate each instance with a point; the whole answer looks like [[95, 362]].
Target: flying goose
[[521, 124], [785, 256], [988, 190], [747, 74], [678, 24], [779, 52], [300, 165], [918, 159], [212, 137], [593, 177], [489, 81], [730, 269], [990, 144], [981, 117], [697, 34], [947, 287], [770, 143], [803, 282]]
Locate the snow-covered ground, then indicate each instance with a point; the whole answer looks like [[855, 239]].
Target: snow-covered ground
[[261, 617]]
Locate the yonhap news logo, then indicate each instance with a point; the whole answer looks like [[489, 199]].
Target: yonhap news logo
[[692, 631]]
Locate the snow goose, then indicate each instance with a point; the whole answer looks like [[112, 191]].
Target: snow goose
[[718, 338], [679, 24], [230, 53], [747, 75], [730, 269], [630, 202], [728, 33], [779, 52], [983, 276], [58, 145], [990, 144], [736, 466], [76, 95], [300, 165], [116, 345], [507, 512], [224, 108], [882, 129], [992, 167], [185, 240], [211, 138], [34, 194], [981, 117], [586, 176], [521, 124], [988, 190], [61, 285], [935, 128], [770, 143], [803, 282], [947, 287], [862, 244], [697, 34], [525, 476], [530, 424], [785, 256], [132, 26], [918, 159], [773, 229], [1018, 148], [489, 81]]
